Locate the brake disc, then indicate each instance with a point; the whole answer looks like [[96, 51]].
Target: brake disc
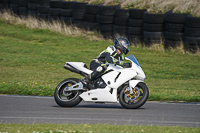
[[134, 96]]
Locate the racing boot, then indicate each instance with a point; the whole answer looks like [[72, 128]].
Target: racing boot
[[87, 81]]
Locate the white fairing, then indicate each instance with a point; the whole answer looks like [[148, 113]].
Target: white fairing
[[140, 73], [117, 77], [114, 79], [99, 95]]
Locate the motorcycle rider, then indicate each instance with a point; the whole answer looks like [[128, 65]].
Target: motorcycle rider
[[113, 54]]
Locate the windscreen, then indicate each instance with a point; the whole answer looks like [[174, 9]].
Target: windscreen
[[132, 58]]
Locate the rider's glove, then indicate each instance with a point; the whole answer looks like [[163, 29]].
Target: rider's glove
[[120, 63], [117, 63], [127, 65]]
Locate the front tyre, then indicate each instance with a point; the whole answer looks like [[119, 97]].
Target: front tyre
[[135, 100], [67, 99]]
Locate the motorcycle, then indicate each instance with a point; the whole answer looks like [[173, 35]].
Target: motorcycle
[[117, 85]]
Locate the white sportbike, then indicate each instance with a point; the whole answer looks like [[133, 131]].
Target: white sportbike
[[117, 85]]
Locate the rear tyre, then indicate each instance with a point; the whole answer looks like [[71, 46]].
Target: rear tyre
[[135, 100], [67, 99]]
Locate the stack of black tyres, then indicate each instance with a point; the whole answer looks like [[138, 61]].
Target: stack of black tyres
[[135, 25], [54, 10], [43, 9], [78, 13], [4, 4], [33, 7], [153, 28], [192, 33], [90, 21], [120, 27], [66, 12], [105, 20], [23, 8], [174, 29], [14, 6]]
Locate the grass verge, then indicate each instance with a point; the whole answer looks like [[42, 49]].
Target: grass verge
[[91, 128], [32, 62]]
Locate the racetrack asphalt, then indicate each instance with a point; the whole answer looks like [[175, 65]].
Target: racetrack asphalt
[[36, 109]]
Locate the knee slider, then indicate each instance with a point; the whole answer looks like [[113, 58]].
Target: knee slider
[[99, 69]]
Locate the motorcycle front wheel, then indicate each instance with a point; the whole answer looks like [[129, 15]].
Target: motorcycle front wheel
[[67, 99], [136, 99]]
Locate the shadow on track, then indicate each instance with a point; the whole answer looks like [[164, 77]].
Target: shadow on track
[[98, 105]]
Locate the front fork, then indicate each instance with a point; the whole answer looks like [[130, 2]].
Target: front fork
[[130, 88], [132, 84]]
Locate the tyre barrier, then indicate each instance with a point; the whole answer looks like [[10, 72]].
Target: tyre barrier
[[14, 6], [55, 3], [43, 9], [120, 23], [78, 11], [33, 7], [66, 12], [23, 8], [4, 4], [43, 3], [192, 34], [23, 3], [107, 10], [153, 30], [14, 9], [174, 29], [105, 18], [136, 24], [90, 21], [23, 11], [54, 10]]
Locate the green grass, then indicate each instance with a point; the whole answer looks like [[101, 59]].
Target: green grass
[[92, 128], [31, 63]]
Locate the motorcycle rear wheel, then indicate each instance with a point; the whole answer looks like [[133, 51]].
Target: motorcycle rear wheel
[[135, 100], [67, 99]]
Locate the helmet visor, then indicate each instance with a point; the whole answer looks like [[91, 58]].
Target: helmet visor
[[126, 47]]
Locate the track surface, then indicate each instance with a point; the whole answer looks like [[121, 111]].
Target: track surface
[[32, 109]]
